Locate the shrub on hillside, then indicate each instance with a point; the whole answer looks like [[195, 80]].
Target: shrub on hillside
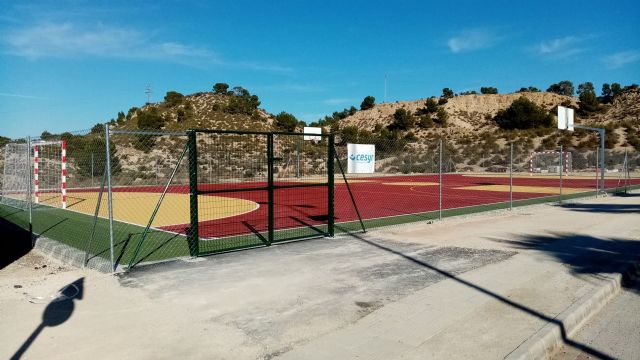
[[564, 87], [242, 102], [488, 90], [220, 88], [430, 107], [368, 103], [286, 121], [523, 114], [131, 112], [425, 122], [173, 98], [148, 120], [588, 99], [441, 117], [529, 89], [402, 120], [336, 117]]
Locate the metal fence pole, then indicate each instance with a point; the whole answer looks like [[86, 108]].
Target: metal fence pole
[[625, 168], [193, 232], [270, 190], [602, 168], [91, 169], [109, 195], [440, 172], [330, 182], [298, 158], [561, 169], [29, 188], [511, 176], [597, 180]]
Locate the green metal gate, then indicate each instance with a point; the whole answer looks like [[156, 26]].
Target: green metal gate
[[252, 189]]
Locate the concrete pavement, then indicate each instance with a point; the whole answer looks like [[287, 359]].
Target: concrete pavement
[[615, 330], [489, 286]]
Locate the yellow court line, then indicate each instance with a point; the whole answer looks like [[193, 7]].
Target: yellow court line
[[526, 189], [336, 181], [539, 176], [137, 207], [412, 183]]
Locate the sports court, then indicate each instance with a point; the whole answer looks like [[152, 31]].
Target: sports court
[[229, 190], [241, 213]]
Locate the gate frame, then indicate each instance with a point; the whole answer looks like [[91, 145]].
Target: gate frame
[[193, 237]]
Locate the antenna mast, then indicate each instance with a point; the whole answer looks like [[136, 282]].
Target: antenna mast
[[148, 92]]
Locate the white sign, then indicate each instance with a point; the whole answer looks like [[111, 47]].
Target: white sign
[[565, 118], [562, 118], [362, 158], [569, 119], [312, 130]]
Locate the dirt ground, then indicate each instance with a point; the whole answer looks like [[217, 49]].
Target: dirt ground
[[261, 303]]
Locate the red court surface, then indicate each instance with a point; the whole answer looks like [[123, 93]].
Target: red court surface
[[376, 197]]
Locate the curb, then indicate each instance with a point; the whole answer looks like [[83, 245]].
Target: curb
[[550, 337], [70, 255]]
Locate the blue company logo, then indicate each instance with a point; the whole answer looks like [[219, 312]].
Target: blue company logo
[[367, 158]]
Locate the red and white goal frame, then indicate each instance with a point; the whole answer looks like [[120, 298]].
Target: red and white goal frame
[[62, 186], [566, 160]]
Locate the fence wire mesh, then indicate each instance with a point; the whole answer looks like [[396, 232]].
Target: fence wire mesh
[[253, 189]]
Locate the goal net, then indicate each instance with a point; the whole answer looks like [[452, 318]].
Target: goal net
[[550, 162], [35, 172], [15, 175]]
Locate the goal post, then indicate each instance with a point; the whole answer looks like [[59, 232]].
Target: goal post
[[35, 172], [50, 173], [15, 175], [549, 162]]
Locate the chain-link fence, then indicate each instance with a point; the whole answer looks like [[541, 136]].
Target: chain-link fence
[[417, 180], [122, 198]]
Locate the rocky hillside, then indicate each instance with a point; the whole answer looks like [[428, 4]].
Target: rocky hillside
[[467, 113], [473, 114], [201, 110], [471, 117]]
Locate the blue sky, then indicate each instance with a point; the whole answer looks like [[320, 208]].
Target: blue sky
[[66, 65]]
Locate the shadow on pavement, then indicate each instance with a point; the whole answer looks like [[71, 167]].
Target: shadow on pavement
[[58, 311], [584, 254], [604, 208], [548, 318], [16, 242]]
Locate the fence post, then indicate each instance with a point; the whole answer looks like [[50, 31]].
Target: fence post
[[330, 190], [561, 169], [91, 169], [511, 176], [270, 190], [625, 168], [192, 235], [298, 158], [597, 180], [29, 188], [109, 194], [440, 172], [602, 163]]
